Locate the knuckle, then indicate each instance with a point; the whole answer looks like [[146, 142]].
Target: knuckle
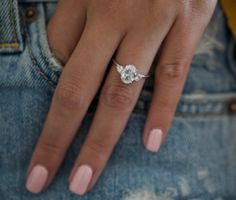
[[172, 72], [166, 106], [48, 148], [202, 5], [116, 6], [198, 10], [68, 95], [99, 148], [166, 14], [116, 13], [117, 96]]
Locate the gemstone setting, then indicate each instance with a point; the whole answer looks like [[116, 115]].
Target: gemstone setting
[[128, 74]]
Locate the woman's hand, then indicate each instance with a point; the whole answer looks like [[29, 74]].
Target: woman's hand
[[86, 35]]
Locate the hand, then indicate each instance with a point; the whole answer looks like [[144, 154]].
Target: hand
[[86, 35]]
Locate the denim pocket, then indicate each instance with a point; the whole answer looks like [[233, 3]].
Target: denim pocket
[[35, 21], [10, 32]]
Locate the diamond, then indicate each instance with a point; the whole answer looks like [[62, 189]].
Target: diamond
[[119, 68], [128, 74], [137, 77]]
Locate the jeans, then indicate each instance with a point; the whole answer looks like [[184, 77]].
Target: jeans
[[197, 160]]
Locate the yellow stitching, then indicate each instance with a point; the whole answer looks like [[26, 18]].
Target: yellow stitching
[[14, 44], [10, 45]]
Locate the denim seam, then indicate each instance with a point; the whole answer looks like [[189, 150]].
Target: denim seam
[[13, 23], [191, 104], [232, 63], [183, 114], [44, 57], [40, 70], [194, 98], [16, 43], [178, 114], [34, 60]]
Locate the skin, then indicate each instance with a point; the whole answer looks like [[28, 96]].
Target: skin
[[85, 35]]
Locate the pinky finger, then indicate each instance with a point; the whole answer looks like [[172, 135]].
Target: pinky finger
[[171, 72]]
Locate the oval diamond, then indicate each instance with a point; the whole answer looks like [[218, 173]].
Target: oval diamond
[[128, 74]]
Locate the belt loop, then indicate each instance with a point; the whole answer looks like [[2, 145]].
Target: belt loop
[[10, 31]]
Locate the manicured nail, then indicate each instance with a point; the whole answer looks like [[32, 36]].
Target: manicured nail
[[37, 179], [154, 140], [81, 180]]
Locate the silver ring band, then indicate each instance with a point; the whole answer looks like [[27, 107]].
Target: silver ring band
[[128, 73]]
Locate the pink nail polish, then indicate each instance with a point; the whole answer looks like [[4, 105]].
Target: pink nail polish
[[154, 140], [81, 180], [37, 179]]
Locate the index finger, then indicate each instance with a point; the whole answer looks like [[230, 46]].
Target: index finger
[[76, 88]]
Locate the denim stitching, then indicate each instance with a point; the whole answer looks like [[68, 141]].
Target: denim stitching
[[231, 59], [16, 43], [40, 46], [34, 60], [13, 23], [10, 45], [39, 68], [46, 58]]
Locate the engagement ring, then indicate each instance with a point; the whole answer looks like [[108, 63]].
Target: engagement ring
[[128, 73]]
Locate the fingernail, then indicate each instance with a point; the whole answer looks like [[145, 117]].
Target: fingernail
[[81, 180], [37, 179], [154, 140]]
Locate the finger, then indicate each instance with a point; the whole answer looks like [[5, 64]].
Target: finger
[[115, 105], [69, 18], [171, 73], [76, 88]]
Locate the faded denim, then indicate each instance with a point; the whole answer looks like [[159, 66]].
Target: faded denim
[[198, 158]]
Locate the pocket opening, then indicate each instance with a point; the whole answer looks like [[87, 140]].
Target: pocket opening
[[44, 47], [47, 65]]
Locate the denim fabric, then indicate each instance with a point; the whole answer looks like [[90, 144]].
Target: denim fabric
[[197, 160], [10, 36]]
